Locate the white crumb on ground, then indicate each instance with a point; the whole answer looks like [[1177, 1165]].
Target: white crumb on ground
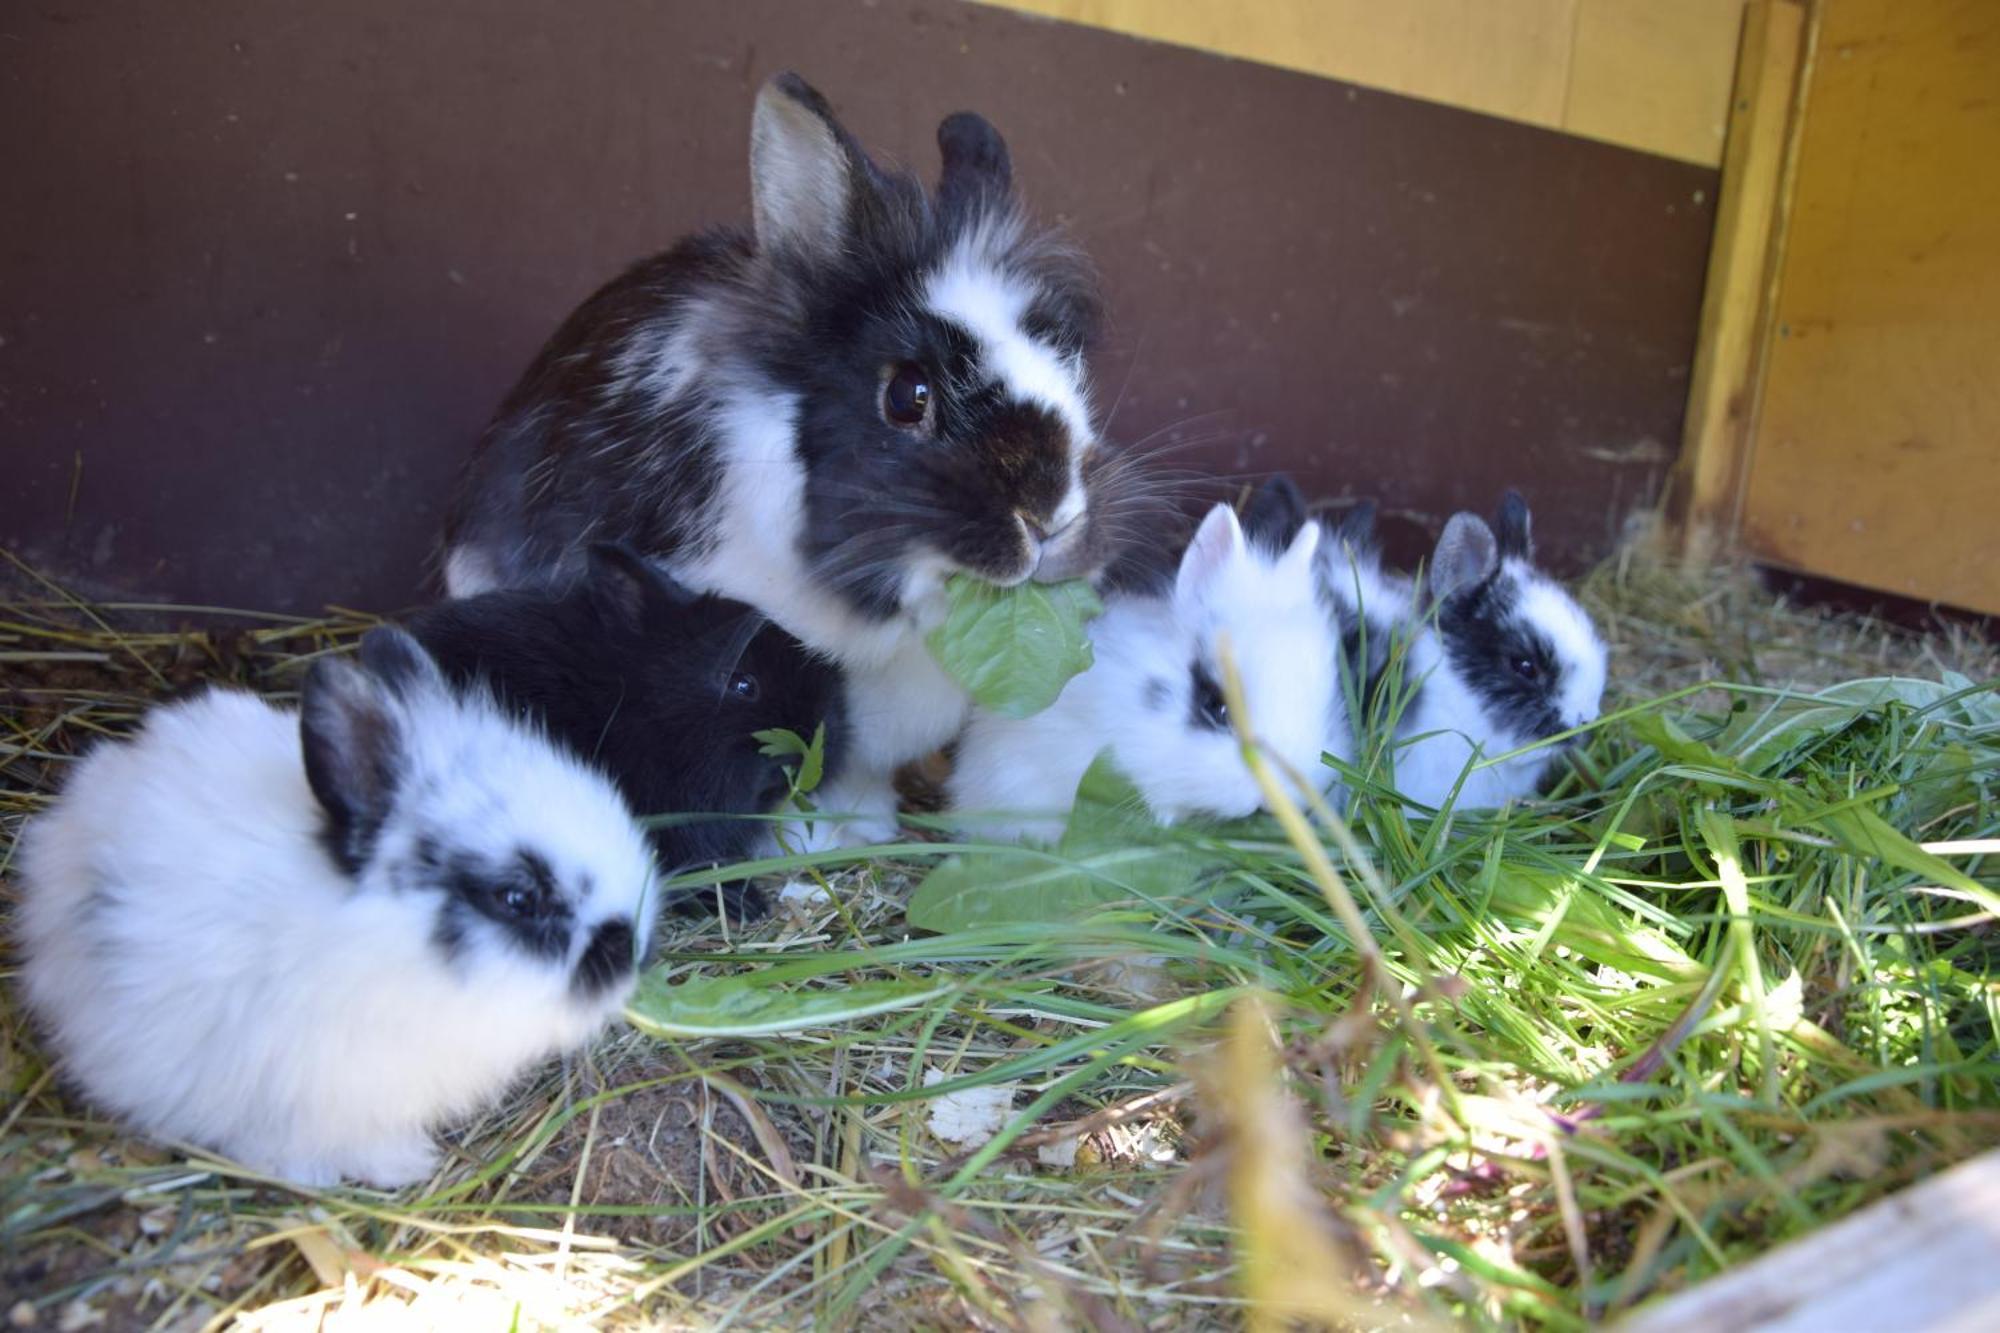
[[970, 1116]]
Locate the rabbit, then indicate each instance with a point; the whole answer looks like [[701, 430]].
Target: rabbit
[[1373, 612], [1344, 552], [825, 416], [662, 687], [304, 940], [1274, 513], [1502, 658], [1153, 694]]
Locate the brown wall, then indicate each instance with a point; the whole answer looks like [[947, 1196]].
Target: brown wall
[[265, 268]]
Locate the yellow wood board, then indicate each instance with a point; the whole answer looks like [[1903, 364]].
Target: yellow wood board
[[1736, 306], [1654, 75], [1648, 74], [1877, 455]]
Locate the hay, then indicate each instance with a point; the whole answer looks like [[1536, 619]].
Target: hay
[[1470, 1150]]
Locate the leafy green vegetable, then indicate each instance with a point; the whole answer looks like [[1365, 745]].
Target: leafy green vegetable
[[780, 743], [1013, 649], [749, 1005], [1865, 833], [1570, 915], [1112, 852]]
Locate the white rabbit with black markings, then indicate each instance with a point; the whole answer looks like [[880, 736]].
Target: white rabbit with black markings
[[306, 939], [1501, 658], [824, 416], [1367, 606], [1153, 694]]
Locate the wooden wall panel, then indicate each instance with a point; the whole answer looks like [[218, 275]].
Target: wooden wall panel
[[265, 269], [1877, 457], [1646, 74]]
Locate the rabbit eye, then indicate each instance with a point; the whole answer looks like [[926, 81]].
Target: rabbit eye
[[906, 398], [518, 900], [742, 685], [1525, 668]]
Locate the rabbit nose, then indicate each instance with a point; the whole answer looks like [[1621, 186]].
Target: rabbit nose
[[1061, 553]]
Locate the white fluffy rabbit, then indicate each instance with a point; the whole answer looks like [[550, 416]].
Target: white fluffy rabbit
[[1154, 693], [1502, 658], [303, 940]]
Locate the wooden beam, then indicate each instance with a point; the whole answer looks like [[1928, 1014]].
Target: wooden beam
[[1742, 276], [1922, 1261]]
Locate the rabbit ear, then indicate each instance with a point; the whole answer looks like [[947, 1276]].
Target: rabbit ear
[[1217, 543], [977, 171], [1512, 527], [804, 170], [1466, 556], [1275, 514], [1298, 557], [624, 584], [398, 661], [1355, 525], [350, 728]]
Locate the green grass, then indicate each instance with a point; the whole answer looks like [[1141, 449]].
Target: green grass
[[1711, 995]]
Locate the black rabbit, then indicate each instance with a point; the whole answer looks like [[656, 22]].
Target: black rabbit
[[660, 687]]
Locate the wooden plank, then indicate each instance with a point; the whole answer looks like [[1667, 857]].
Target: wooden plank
[[1655, 75], [1920, 1261], [1736, 308], [1877, 455]]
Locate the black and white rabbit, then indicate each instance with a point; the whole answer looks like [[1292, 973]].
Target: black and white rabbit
[[1373, 611], [1502, 657], [1272, 519], [1153, 694], [304, 940], [661, 687], [824, 416]]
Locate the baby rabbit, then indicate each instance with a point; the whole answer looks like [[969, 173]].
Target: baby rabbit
[[1154, 693], [661, 687], [305, 940], [825, 415], [1502, 658], [1272, 520]]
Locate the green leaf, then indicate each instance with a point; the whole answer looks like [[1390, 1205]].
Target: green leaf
[[779, 743], [1005, 886], [1113, 838], [1013, 649], [1566, 912], [1665, 735], [1941, 781], [1865, 833], [1696, 760], [1108, 808], [749, 1005], [813, 766], [1112, 854], [1768, 741]]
